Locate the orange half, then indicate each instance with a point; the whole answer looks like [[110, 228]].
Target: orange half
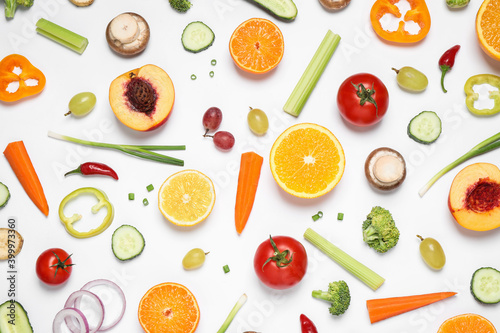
[[307, 160], [467, 323], [257, 45], [488, 27], [169, 307]]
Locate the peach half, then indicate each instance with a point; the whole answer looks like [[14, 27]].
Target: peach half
[[474, 199], [142, 98]]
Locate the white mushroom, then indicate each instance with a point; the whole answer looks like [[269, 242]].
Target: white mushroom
[[385, 169], [334, 4], [82, 3], [128, 34]]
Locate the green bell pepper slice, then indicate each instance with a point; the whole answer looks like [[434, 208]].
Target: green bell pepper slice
[[102, 202], [472, 96]]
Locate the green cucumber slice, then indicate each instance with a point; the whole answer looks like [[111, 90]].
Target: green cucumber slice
[[197, 36], [485, 285], [283, 9], [127, 242], [425, 127], [4, 195], [14, 318]]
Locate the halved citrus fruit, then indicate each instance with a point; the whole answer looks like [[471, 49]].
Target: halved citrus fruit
[[187, 197], [257, 45], [488, 27], [169, 307], [467, 323], [307, 160]]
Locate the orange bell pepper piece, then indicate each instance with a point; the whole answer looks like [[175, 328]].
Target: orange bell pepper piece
[[9, 66], [418, 13]]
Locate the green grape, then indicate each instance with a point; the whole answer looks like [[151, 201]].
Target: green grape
[[432, 253], [194, 259], [81, 104], [411, 79], [257, 121]]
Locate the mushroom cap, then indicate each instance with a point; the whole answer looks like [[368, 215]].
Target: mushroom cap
[[334, 5], [385, 169], [135, 47]]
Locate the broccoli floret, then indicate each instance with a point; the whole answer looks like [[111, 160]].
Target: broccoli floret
[[338, 295], [180, 5], [11, 6], [379, 230]]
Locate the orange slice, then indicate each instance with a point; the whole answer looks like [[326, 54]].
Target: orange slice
[[186, 198], [307, 160], [467, 323], [257, 46], [169, 307], [488, 27]]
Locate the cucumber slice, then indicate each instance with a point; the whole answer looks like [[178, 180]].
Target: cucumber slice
[[485, 285], [425, 127], [197, 36], [127, 242], [18, 323], [4, 195], [283, 9]]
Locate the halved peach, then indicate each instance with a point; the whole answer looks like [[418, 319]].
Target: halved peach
[[474, 198], [142, 98]]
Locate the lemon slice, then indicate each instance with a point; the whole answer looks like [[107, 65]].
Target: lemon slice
[[186, 198]]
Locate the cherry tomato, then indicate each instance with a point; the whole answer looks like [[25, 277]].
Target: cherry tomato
[[280, 262], [306, 325], [363, 99], [54, 266]]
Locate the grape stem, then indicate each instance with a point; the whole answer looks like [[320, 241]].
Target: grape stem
[[141, 151]]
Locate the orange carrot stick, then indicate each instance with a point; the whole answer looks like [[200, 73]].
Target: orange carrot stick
[[248, 179], [20, 162], [383, 308]]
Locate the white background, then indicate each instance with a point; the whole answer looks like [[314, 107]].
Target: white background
[[274, 212]]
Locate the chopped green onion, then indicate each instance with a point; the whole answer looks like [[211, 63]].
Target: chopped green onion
[[340, 216], [226, 268], [145, 202], [211, 74], [150, 187], [366, 275], [61, 35], [141, 151], [193, 77], [311, 75], [213, 62], [233, 313], [317, 216], [131, 196]]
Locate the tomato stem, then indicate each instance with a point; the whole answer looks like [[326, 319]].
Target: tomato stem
[[61, 264], [365, 95], [279, 257]]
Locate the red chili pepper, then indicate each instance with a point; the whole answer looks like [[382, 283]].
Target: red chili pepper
[[93, 168], [307, 325], [446, 62]]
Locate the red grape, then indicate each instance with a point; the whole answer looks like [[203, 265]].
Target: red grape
[[212, 119], [223, 140]]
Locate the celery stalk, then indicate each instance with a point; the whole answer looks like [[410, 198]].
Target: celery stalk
[[311, 75], [366, 275], [61, 35]]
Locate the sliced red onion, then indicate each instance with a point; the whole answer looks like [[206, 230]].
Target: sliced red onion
[[66, 315], [110, 284], [74, 301]]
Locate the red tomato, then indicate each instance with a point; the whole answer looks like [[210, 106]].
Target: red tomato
[[363, 99], [54, 266], [280, 262]]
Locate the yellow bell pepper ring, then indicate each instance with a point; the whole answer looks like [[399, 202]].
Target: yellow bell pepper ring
[[102, 202], [473, 96]]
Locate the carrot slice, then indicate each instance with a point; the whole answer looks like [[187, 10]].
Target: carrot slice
[[248, 180], [20, 163], [383, 308]]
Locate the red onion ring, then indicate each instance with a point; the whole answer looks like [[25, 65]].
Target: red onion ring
[[64, 316], [74, 299], [113, 285]]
